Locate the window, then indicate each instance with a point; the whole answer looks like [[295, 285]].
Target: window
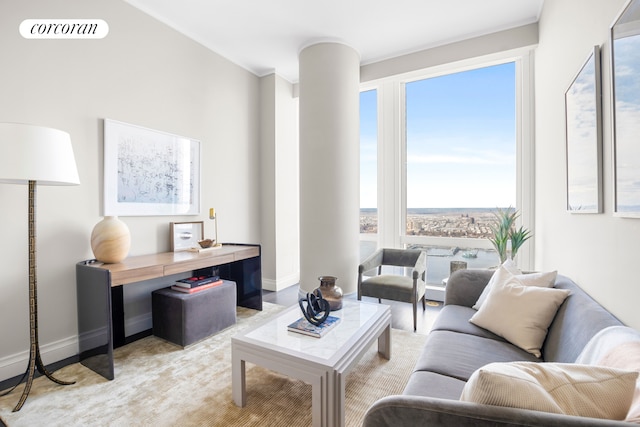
[[454, 145], [461, 145], [368, 162], [368, 170], [460, 162]]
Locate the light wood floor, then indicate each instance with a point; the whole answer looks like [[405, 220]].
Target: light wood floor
[[401, 312]]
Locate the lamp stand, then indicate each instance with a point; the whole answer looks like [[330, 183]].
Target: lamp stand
[[214, 217], [35, 361], [217, 244]]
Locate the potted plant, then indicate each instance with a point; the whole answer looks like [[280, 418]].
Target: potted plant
[[505, 236]]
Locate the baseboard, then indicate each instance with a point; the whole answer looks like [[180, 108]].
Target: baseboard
[[93, 338], [16, 364], [280, 283], [51, 367], [434, 293], [138, 324]]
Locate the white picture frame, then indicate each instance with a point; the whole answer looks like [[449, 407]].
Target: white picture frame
[[583, 118], [185, 235], [625, 78], [149, 172]]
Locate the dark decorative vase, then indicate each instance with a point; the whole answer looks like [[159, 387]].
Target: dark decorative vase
[[331, 292]]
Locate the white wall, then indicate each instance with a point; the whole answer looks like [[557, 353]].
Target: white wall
[[287, 186], [142, 73], [268, 141], [598, 251], [279, 193]]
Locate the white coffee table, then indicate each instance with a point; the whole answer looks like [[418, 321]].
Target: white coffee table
[[322, 362]]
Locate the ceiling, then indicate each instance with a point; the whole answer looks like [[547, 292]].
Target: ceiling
[[265, 36]]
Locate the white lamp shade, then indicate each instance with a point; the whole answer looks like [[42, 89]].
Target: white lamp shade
[[36, 153]]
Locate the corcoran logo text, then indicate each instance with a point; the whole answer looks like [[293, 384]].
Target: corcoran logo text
[[64, 29]]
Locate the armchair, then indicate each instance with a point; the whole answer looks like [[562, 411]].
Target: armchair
[[395, 287]]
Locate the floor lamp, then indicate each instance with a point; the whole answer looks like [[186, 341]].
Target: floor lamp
[[35, 155]]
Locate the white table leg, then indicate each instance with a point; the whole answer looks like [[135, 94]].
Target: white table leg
[[319, 402], [384, 343], [339, 390], [238, 381]]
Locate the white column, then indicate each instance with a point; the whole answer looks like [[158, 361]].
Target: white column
[[329, 165]]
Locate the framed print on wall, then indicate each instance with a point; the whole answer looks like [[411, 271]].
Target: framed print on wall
[[583, 111], [185, 235], [149, 172], [625, 70]]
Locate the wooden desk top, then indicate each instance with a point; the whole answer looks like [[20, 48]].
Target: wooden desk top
[[144, 267]]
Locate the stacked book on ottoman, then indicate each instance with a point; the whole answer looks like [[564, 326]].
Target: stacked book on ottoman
[[196, 283], [184, 318]]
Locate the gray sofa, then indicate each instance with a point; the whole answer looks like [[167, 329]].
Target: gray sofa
[[455, 348]]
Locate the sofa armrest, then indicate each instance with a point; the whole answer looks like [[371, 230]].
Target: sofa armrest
[[465, 286], [411, 411]]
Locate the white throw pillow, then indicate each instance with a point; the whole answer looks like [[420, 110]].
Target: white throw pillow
[[511, 267], [520, 314], [503, 273], [561, 388], [544, 280], [616, 347]]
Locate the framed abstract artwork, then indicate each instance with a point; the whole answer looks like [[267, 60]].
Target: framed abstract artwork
[[149, 172], [583, 112], [625, 70]]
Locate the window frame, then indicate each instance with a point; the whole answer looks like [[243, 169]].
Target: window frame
[[392, 154], [374, 237]]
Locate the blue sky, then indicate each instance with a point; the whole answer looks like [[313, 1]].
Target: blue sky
[[460, 140], [368, 149]]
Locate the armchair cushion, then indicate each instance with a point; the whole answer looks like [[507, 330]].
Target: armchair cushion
[[391, 287]]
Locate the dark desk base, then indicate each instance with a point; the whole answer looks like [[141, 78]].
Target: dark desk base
[[101, 308]]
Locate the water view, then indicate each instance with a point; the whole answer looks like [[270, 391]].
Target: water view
[[472, 223]]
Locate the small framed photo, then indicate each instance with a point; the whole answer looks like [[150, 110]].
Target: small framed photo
[[185, 235]]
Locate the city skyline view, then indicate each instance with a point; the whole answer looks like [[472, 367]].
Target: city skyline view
[[471, 223]]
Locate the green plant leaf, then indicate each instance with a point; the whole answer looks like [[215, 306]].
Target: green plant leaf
[[504, 231]]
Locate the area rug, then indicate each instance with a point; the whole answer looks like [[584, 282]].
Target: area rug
[[160, 384]]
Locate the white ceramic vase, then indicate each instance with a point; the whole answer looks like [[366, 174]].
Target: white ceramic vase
[[110, 240]]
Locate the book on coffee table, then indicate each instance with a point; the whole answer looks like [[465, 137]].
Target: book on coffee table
[[303, 326]]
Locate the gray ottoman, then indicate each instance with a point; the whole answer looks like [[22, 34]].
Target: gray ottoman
[[184, 318]]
